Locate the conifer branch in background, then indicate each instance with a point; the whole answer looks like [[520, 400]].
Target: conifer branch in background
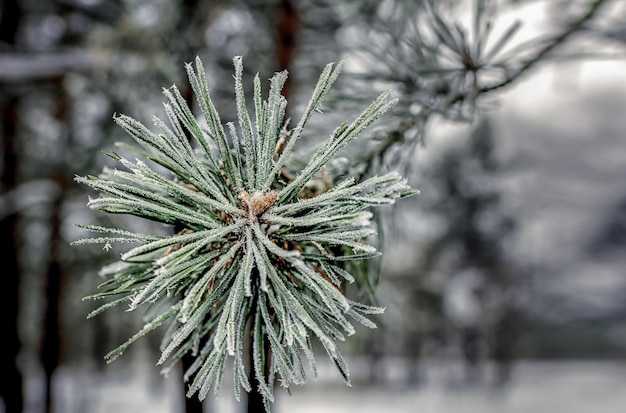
[[257, 254], [442, 66]]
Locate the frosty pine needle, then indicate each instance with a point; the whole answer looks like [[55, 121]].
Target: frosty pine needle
[[250, 261]]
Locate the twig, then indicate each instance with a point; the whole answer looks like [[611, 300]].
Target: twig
[[557, 41], [398, 134]]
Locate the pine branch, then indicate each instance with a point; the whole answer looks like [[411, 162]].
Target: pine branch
[[397, 135], [250, 252], [539, 57]]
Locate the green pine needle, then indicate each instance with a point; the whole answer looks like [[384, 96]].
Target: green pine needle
[[253, 258]]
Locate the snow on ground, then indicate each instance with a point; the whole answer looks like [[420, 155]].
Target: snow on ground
[[537, 387]]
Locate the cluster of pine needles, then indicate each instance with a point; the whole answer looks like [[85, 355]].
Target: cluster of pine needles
[[254, 262]]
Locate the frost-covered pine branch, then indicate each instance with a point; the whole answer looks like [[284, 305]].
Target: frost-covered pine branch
[[255, 255], [445, 63]]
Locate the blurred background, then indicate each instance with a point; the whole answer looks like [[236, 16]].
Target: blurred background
[[504, 280]]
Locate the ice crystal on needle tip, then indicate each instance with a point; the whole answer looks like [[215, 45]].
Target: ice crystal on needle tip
[[249, 258]]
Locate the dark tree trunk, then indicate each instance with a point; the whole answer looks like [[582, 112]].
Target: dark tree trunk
[[192, 404], [287, 28], [51, 340], [255, 399], [51, 345], [10, 376], [10, 16]]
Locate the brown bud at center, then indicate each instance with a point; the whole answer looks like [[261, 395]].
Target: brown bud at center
[[258, 202]]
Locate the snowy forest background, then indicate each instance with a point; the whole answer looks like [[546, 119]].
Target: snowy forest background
[[507, 270]]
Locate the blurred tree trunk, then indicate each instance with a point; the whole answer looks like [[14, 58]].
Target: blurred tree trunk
[[51, 340], [51, 346], [192, 404], [503, 346], [10, 376], [287, 27], [255, 398], [11, 383]]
